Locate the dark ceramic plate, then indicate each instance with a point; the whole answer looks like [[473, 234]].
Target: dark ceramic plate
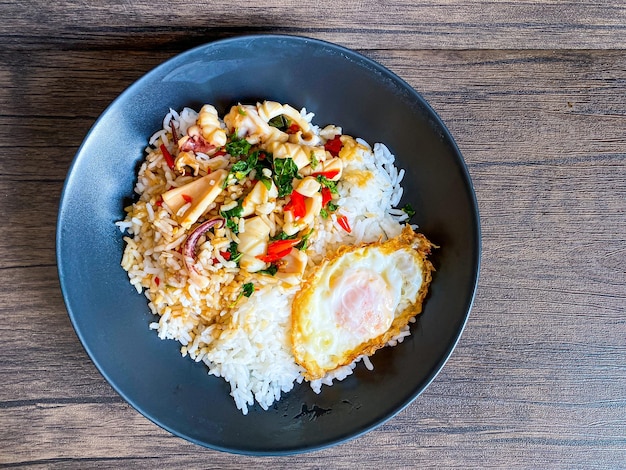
[[341, 87]]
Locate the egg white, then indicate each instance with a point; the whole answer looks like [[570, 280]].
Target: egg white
[[355, 302]]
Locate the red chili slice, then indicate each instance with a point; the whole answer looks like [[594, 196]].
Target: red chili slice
[[342, 220], [187, 198], [167, 155], [334, 145], [327, 174], [225, 255], [326, 196], [278, 249], [293, 128], [296, 205]]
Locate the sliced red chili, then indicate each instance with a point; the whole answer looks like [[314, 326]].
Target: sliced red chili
[[293, 128], [278, 246], [187, 198], [296, 205], [225, 255], [334, 145], [167, 155], [327, 174], [157, 281], [278, 249], [327, 195], [275, 257], [342, 220]]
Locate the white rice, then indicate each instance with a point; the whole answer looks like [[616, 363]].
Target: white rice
[[250, 347]]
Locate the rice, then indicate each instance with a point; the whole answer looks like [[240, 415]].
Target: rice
[[207, 305]]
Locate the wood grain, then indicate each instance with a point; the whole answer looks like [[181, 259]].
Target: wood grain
[[395, 24], [534, 93]]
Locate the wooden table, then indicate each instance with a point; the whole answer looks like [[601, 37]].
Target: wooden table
[[535, 94]]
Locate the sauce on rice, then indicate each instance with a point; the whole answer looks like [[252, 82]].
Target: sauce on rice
[[279, 195]]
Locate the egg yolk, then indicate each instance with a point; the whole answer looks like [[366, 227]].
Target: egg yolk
[[363, 304]]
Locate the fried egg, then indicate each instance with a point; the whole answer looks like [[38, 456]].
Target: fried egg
[[353, 303]]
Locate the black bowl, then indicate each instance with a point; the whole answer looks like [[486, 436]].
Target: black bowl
[[341, 87]]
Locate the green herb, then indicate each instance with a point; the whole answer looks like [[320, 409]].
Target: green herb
[[235, 255], [267, 182], [305, 241], [279, 122], [283, 236], [408, 208], [263, 160], [248, 289], [237, 147], [232, 225], [242, 168], [324, 214], [271, 270], [231, 214], [241, 111], [314, 161], [285, 170], [331, 206], [327, 183]]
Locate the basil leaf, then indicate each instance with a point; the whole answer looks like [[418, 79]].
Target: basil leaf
[[283, 236], [331, 206], [237, 147], [327, 183], [272, 270], [248, 289], [303, 245], [279, 122], [242, 168], [235, 255], [285, 170], [229, 215]]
